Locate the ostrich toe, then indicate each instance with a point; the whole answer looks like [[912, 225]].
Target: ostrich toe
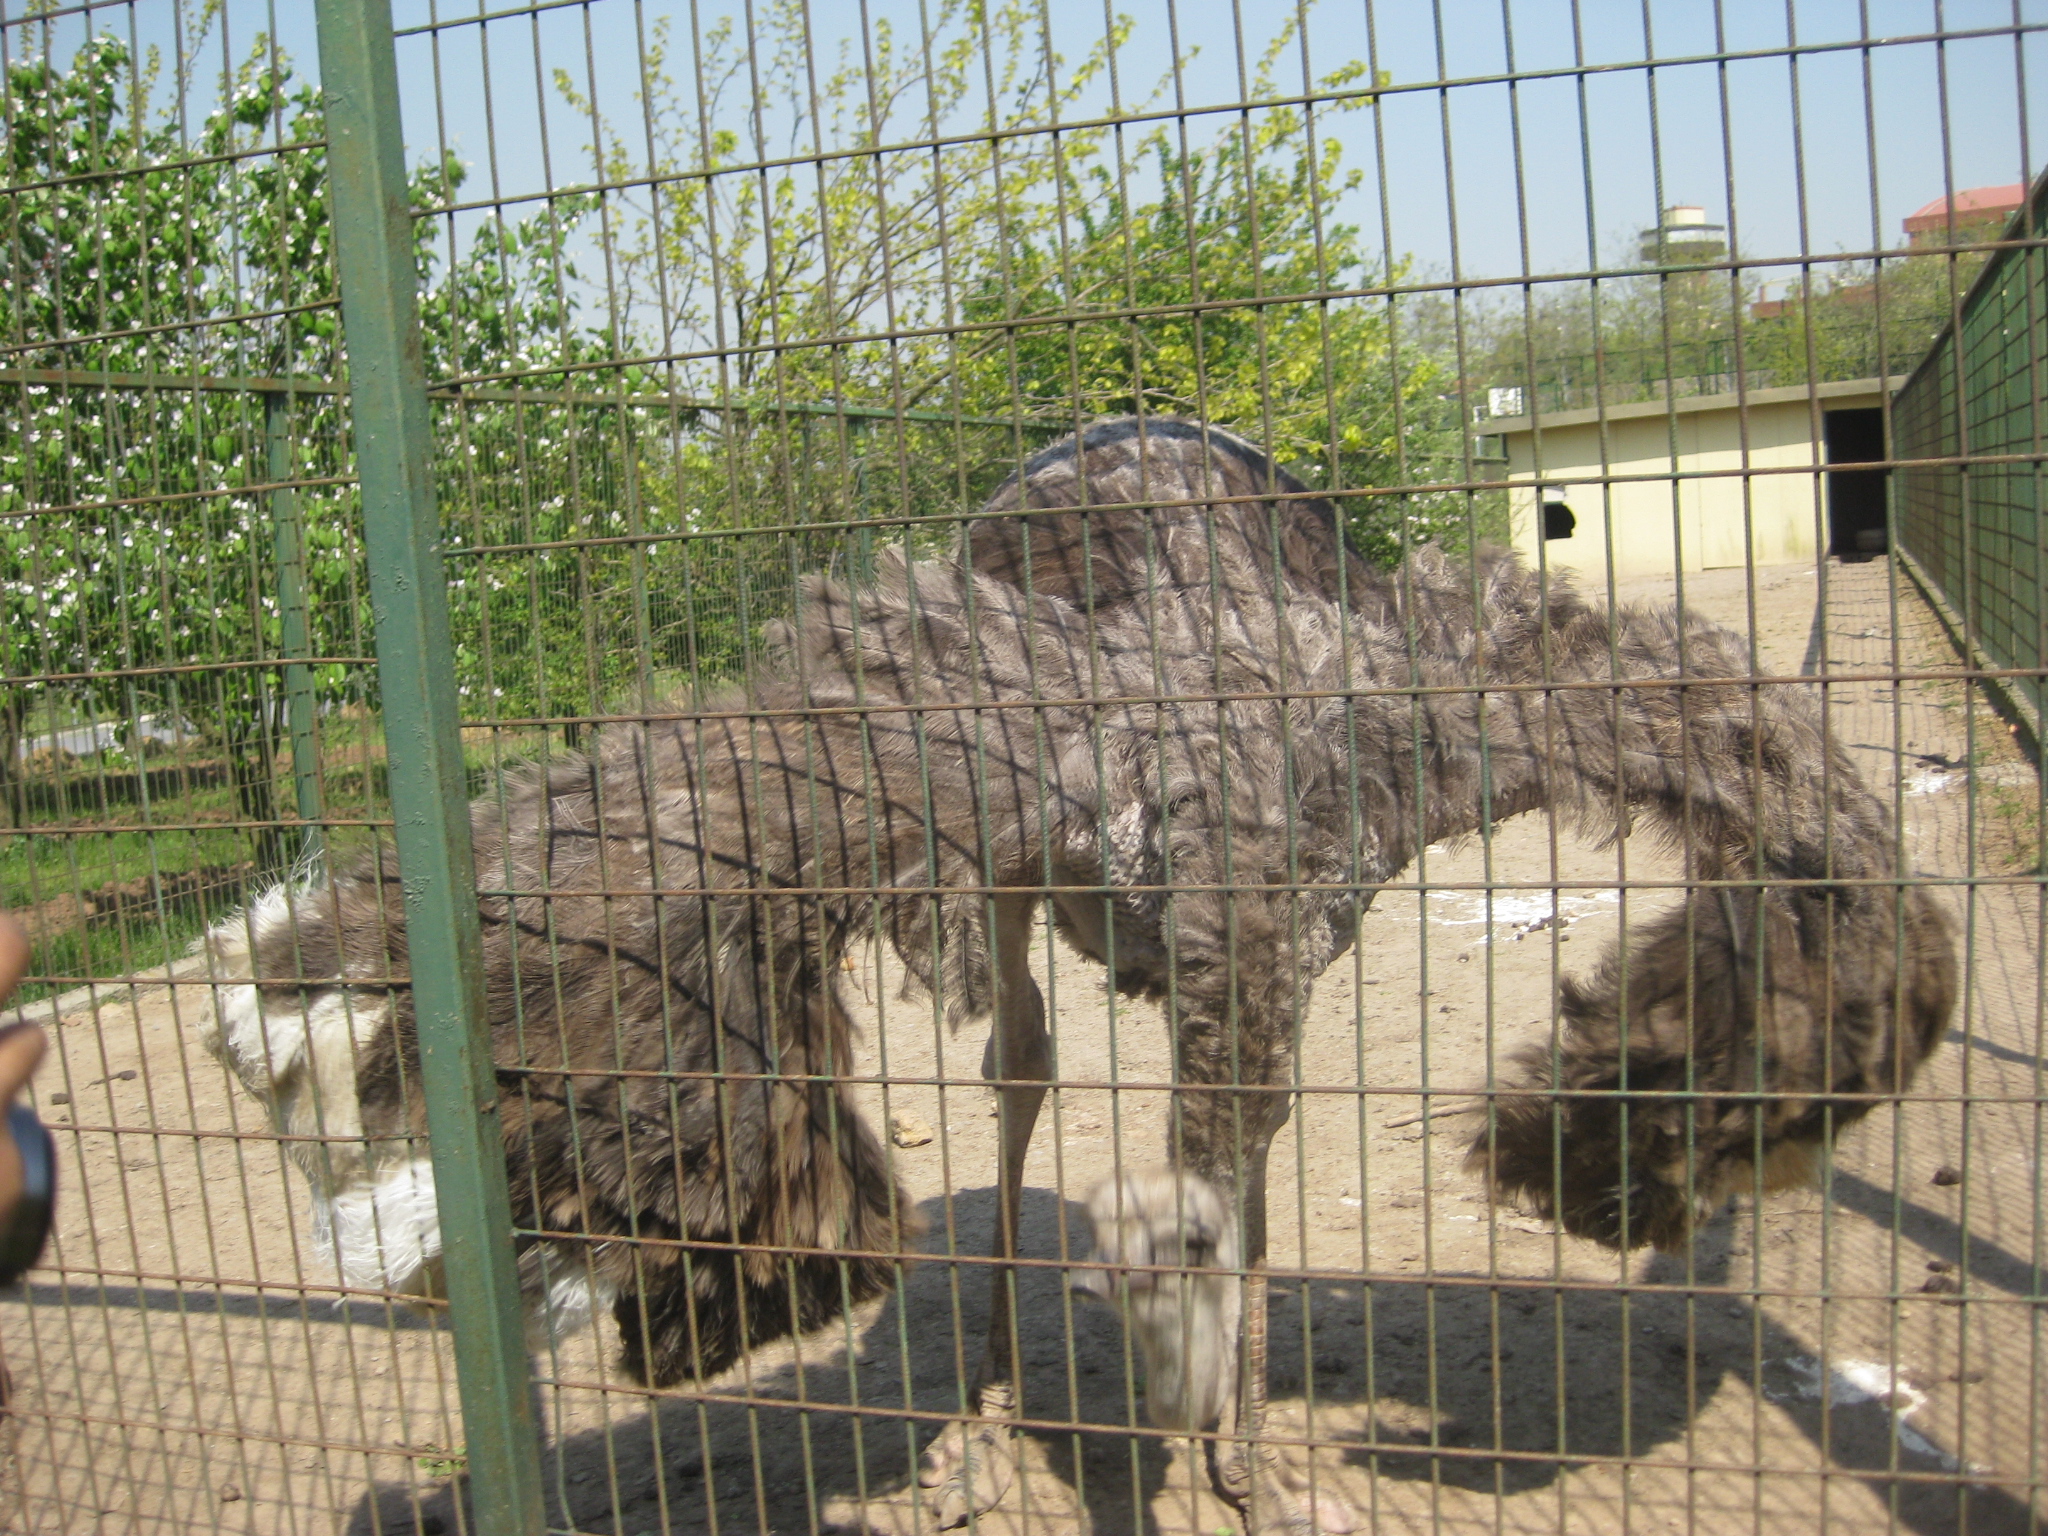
[[1275, 1497], [969, 1467]]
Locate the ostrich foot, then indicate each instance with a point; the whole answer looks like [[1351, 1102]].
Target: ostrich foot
[[973, 1462], [1274, 1496]]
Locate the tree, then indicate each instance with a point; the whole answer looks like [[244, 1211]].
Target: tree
[[138, 557], [949, 279], [129, 546], [1634, 338]]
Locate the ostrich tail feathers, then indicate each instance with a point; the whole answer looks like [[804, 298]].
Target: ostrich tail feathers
[[1718, 1057]]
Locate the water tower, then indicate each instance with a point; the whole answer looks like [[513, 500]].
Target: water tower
[[1683, 237]]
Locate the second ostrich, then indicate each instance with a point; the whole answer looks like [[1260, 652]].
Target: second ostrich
[[1340, 718]]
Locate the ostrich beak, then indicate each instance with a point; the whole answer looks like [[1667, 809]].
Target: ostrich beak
[[1099, 1283]]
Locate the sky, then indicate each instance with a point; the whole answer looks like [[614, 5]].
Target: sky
[[1459, 176], [1466, 176]]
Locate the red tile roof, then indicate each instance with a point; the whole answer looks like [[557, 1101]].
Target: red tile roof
[[1980, 201]]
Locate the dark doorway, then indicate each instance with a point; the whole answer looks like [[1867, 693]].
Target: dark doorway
[[1856, 497]]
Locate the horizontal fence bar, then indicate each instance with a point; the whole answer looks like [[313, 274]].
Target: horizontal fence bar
[[1278, 1271], [402, 1301], [37, 17], [1404, 1449], [1182, 113], [1596, 1095], [86, 378], [1069, 319], [172, 767], [173, 498], [973, 1081], [1821, 680], [187, 668], [1511, 1284], [167, 328], [443, 394], [241, 1433], [159, 167], [1290, 887], [223, 383], [1533, 480]]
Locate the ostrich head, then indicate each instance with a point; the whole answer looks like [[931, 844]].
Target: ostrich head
[[1168, 1241]]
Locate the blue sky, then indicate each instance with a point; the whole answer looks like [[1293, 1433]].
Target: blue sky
[[1726, 136], [1446, 182]]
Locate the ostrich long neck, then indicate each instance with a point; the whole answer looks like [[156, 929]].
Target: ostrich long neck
[[1446, 732], [1745, 779]]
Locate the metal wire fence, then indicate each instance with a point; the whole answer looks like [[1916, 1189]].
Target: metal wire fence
[[585, 759], [1969, 519]]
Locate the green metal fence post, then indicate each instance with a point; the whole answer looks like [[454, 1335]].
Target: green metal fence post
[[295, 628], [429, 799]]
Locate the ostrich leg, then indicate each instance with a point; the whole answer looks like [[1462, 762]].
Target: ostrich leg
[[1274, 1496], [972, 1463], [1183, 1252]]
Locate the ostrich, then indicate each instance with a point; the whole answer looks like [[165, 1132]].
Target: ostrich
[[663, 921], [1708, 1057], [1228, 750]]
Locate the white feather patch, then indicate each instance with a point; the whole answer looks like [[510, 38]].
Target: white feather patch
[[571, 1302], [374, 1212], [384, 1232], [296, 1052]]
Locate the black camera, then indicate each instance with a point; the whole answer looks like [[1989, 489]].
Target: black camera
[[24, 1232]]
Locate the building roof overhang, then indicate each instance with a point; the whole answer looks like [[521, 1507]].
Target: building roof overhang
[[1685, 405]]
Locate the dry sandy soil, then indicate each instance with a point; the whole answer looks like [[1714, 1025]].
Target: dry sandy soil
[[1872, 1358]]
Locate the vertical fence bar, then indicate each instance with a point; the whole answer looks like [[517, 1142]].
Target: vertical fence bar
[[388, 395], [294, 626]]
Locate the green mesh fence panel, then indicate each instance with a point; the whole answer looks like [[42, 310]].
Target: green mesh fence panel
[[1974, 521], [1031, 1058]]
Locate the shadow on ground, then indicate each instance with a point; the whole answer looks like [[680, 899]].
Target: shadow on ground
[[1515, 1403], [766, 1466], [1493, 1388]]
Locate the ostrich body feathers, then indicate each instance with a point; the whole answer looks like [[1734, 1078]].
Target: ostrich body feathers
[[1211, 770]]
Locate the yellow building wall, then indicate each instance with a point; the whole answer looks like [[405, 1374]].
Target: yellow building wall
[[1653, 524]]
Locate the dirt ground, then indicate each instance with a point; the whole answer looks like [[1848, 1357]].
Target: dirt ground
[[1873, 1358]]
